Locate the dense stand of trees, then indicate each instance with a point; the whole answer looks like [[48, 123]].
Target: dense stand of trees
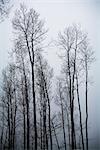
[[34, 115]]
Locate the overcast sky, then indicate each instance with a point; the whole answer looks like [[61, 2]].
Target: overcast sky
[[58, 14]]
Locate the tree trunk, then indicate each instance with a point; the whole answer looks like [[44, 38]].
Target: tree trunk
[[24, 122], [68, 128], [86, 94], [2, 132], [27, 107], [63, 124], [41, 140], [34, 106], [49, 108], [9, 134], [80, 114], [24, 118], [55, 136]]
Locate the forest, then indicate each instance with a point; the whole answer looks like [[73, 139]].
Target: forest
[[38, 110]]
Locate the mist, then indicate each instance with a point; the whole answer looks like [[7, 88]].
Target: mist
[[58, 15]]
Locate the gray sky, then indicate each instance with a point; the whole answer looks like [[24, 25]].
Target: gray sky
[[58, 14]]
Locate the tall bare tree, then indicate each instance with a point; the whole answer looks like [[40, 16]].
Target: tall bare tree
[[87, 57], [61, 99], [22, 68], [73, 41], [45, 75], [80, 112], [31, 31]]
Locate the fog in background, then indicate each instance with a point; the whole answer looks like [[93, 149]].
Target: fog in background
[[57, 15]]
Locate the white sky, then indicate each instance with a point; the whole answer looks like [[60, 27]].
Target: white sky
[[58, 14]]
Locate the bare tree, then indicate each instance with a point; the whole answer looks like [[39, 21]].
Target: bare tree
[[45, 75], [80, 112], [10, 103], [31, 31], [55, 134], [61, 99], [21, 66], [72, 41], [87, 57]]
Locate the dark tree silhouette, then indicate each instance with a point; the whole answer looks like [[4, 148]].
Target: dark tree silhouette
[[31, 31]]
